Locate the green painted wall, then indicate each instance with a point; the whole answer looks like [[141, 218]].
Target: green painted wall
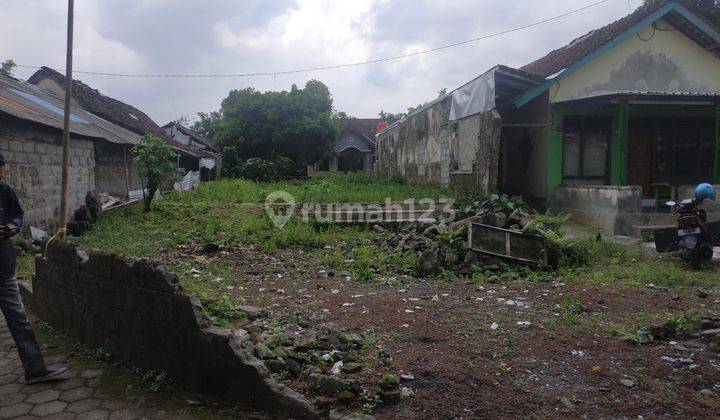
[[717, 143], [555, 153], [618, 144]]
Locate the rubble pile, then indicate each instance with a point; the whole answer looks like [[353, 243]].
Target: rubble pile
[[323, 360], [444, 245]]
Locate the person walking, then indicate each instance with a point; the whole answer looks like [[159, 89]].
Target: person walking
[[11, 215]]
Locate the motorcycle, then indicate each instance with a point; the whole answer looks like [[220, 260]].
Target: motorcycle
[[695, 240], [693, 237]]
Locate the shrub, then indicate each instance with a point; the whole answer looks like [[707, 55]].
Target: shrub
[[258, 169]]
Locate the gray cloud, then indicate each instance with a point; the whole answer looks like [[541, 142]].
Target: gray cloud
[[231, 36]]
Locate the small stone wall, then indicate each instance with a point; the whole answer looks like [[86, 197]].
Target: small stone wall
[[135, 309]]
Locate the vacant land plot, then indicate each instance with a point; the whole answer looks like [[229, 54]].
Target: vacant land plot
[[615, 337]]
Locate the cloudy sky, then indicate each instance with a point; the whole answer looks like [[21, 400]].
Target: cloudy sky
[[243, 36]]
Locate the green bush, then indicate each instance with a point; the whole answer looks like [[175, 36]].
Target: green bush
[[258, 169]]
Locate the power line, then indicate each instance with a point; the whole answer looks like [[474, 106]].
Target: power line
[[337, 66]]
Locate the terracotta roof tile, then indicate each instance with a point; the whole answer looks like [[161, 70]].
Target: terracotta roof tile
[[564, 57]]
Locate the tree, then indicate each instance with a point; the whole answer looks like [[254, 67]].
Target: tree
[[208, 125], [295, 124], [442, 92], [155, 161], [7, 67], [342, 115], [391, 118]]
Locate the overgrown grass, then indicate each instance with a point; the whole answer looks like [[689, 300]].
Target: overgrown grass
[[229, 212], [610, 262], [334, 188]]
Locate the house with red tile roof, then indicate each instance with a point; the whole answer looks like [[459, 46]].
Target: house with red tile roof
[[606, 127], [121, 114], [354, 147]]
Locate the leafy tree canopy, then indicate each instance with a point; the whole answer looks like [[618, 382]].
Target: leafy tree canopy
[[295, 124], [155, 162], [208, 124]]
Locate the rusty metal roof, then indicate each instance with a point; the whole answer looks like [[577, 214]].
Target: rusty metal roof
[[27, 102]]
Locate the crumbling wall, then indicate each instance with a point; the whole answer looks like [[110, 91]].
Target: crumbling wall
[[110, 171], [135, 309], [428, 149], [34, 157], [413, 148]]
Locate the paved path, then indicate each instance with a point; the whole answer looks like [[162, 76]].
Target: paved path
[[80, 394]]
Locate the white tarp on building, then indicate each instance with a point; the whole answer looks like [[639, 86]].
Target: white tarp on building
[[474, 97]]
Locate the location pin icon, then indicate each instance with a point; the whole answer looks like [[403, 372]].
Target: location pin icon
[[280, 206]]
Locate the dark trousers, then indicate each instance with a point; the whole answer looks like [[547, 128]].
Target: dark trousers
[[15, 315]]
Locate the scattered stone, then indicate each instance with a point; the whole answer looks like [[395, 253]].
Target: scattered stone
[[337, 368], [275, 366], [251, 311], [327, 385], [390, 396], [354, 339], [702, 294], [211, 248], [627, 382], [431, 260], [507, 276], [349, 368], [567, 403], [406, 392], [519, 217], [346, 397], [710, 333], [378, 228], [196, 403], [407, 377], [293, 367], [262, 351], [494, 326], [706, 392]]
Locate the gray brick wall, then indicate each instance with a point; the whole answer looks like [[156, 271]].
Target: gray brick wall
[[136, 309], [34, 156]]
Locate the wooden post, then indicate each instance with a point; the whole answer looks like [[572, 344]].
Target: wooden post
[[66, 122]]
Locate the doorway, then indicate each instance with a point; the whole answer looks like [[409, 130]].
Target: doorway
[[350, 160], [670, 150]]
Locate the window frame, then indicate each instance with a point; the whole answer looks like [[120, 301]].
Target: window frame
[[582, 129], [676, 178]]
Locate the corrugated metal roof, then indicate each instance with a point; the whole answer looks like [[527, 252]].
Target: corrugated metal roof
[[27, 102]]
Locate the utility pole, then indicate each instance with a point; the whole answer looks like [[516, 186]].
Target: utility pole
[[66, 122]]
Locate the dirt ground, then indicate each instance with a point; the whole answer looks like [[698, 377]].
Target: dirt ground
[[468, 350]]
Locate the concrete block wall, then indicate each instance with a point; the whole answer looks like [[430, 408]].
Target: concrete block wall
[[136, 309], [34, 157]]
